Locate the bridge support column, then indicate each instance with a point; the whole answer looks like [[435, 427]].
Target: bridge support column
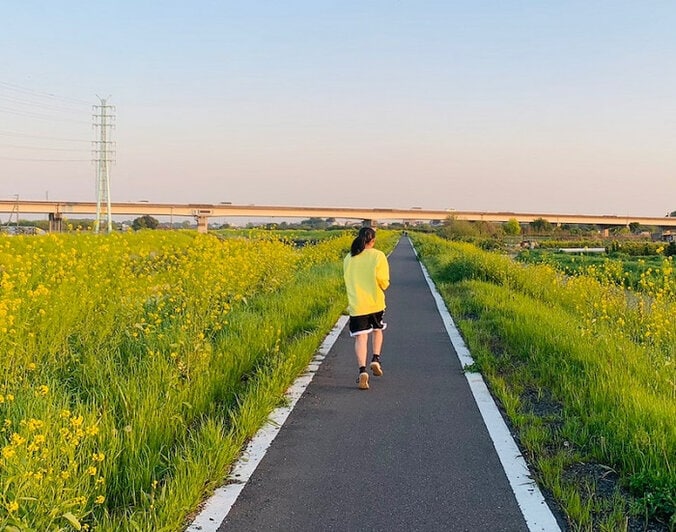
[[369, 223], [55, 222], [202, 223]]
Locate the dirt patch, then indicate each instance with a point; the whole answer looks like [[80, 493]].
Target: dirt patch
[[541, 404], [603, 479], [604, 484]]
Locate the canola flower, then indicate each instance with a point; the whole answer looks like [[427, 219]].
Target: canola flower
[[108, 357]]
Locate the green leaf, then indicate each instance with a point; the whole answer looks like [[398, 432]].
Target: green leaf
[[72, 520]]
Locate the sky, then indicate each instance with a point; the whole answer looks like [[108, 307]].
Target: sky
[[523, 106]]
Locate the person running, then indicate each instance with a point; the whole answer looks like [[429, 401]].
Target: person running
[[367, 276]]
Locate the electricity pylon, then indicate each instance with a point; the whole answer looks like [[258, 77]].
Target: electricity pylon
[[104, 156]]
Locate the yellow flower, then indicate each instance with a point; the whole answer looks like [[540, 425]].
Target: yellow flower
[[92, 431], [31, 366], [12, 507], [8, 451], [34, 424], [42, 390], [65, 475], [91, 470], [98, 457], [17, 439], [100, 499]]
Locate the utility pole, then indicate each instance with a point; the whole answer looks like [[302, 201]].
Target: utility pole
[[104, 156]]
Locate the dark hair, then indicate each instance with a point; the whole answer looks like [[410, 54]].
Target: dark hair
[[366, 234]]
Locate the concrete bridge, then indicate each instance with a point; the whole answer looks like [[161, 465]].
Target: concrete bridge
[[57, 210]]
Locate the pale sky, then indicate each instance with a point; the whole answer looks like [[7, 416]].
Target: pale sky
[[524, 106]]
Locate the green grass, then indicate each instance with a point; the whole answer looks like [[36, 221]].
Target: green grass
[[265, 366], [579, 388]]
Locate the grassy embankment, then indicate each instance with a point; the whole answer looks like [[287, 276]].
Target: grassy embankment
[[135, 367], [585, 371]]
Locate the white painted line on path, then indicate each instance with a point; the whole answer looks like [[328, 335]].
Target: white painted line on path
[[219, 504], [535, 511]]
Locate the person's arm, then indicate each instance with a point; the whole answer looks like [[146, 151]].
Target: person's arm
[[383, 272]]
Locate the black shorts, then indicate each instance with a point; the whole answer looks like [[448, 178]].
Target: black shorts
[[366, 323]]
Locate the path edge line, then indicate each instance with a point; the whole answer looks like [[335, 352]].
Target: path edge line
[[534, 508], [217, 507]]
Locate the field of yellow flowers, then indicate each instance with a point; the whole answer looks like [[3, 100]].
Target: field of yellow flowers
[[134, 366], [586, 371]]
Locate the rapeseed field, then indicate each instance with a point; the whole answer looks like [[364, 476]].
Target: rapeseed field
[[133, 367]]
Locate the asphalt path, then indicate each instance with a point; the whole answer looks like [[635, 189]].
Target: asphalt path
[[411, 453]]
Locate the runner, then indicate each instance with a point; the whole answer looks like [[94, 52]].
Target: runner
[[367, 276]]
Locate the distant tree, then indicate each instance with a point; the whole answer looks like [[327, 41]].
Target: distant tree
[[145, 222], [512, 227], [635, 227], [314, 223], [41, 224], [672, 214], [670, 250], [454, 228], [619, 230], [540, 225]]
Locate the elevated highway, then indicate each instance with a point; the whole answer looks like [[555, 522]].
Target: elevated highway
[[57, 210]]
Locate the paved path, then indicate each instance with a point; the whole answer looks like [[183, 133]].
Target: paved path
[[410, 454]]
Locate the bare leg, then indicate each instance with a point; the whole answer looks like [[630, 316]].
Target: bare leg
[[360, 348], [377, 341]]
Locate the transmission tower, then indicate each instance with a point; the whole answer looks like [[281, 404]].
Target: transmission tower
[[104, 157]]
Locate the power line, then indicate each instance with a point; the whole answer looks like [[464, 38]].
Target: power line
[[44, 160], [19, 88], [29, 103], [29, 114], [20, 147], [26, 135]]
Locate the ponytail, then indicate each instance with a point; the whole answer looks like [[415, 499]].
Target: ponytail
[[366, 234]]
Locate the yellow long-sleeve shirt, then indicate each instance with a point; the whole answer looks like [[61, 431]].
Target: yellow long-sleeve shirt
[[367, 276]]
